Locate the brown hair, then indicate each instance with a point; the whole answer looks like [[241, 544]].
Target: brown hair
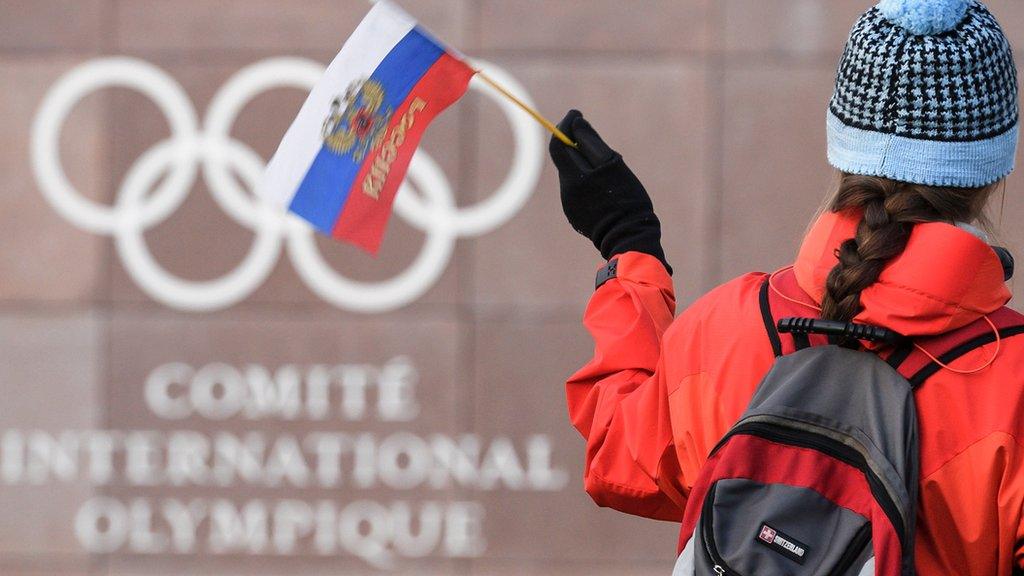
[[891, 209]]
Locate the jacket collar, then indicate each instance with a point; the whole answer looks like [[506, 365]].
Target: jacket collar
[[946, 277]]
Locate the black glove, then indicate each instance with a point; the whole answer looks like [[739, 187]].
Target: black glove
[[601, 196]]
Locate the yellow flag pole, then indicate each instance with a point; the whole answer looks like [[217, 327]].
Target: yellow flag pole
[[536, 115]]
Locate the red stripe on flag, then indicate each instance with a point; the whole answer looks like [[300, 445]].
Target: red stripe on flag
[[366, 213]]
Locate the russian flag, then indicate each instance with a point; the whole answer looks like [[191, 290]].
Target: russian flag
[[340, 163]]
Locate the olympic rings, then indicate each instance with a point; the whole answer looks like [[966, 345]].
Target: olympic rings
[[167, 94], [138, 206]]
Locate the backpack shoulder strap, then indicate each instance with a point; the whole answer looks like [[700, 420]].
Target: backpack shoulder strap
[[768, 318], [913, 364], [948, 347], [774, 307]]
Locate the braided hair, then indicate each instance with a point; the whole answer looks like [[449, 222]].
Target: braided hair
[[891, 209]]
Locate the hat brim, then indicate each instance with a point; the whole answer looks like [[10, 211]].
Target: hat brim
[[969, 164]]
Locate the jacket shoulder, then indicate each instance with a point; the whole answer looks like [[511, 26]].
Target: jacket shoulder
[[728, 313], [741, 291], [980, 392]]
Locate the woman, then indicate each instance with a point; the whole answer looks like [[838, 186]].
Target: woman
[[922, 129]]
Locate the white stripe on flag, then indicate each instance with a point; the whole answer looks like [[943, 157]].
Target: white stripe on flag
[[384, 27]]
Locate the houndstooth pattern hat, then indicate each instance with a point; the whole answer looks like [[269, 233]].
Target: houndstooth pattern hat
[[926, 93]]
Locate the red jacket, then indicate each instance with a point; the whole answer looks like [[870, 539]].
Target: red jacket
[[659, 393]]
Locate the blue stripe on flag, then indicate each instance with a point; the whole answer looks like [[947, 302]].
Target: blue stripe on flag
[[325, 188]]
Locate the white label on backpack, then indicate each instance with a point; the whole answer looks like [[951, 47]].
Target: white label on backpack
[[782, 543]]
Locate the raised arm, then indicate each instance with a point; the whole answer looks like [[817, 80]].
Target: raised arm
[[618, 400]]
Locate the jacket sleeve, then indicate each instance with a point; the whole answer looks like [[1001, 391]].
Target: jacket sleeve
[[618, 400]]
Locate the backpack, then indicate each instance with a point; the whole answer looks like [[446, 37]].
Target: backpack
[[819, 475]]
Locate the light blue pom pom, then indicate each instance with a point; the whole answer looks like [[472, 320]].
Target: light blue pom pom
[[924, 17]]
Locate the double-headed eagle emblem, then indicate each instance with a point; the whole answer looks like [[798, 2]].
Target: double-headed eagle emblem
[[357, 123]]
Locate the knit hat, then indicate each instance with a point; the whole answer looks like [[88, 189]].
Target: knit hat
[[926, 93]]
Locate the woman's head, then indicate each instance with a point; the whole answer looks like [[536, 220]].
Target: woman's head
[[923, 125], [926, 92], [890, 210]]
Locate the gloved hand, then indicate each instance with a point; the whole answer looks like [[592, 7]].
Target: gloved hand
[[601, 196]]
